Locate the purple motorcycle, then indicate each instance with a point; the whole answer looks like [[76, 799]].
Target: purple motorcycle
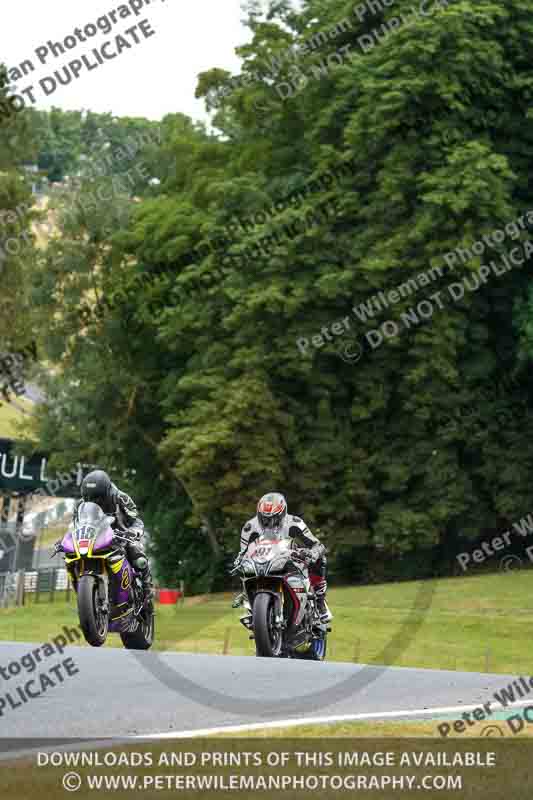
[[110, 594]]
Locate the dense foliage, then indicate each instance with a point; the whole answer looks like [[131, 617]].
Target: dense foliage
[[175, 334]]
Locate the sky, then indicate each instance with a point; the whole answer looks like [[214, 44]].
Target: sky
[[155, 77]]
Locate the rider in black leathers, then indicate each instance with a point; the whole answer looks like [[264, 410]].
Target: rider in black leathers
[[97, 488]]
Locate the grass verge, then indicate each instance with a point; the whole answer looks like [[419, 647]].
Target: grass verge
[[382, 730], [471, 624]]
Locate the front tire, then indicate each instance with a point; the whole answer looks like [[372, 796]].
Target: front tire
[[268, 638], [93, 623]]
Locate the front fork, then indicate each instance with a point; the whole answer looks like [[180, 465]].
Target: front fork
[[247, 618], [103, 593], [279, 621], [77, 570]]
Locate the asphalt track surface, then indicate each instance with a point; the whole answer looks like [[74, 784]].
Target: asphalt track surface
[[117, 693]]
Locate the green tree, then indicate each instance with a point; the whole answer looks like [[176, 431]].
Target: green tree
[[426, 139]]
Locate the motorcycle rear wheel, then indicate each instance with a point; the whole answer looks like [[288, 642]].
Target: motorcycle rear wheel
[[317, 651], [142, 638], [268, 638], [93, 623]]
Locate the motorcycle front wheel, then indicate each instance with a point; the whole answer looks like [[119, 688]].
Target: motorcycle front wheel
[[93, 622], [268, 638]]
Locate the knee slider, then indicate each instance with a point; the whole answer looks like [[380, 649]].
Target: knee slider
[[140, 563]]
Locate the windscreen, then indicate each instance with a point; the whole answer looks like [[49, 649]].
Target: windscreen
[[90, 514], [91, 520]]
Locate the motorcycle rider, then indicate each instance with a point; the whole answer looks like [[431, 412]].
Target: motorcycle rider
[[97, 488], [272, 519]]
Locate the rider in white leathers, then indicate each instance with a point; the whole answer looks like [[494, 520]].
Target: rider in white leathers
[[272, 519]]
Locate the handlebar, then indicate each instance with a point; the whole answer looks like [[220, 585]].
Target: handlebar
[[302, 554]]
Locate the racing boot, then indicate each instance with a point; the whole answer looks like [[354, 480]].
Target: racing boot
[[323, 610], [238, 600], [143, 568], [320, 587]]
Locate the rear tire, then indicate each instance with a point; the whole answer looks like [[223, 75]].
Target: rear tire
[[268, 639], [319, 648], [93, 624], [142, 638], [317, 651]]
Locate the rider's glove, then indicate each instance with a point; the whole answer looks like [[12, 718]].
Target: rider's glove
[[120, 534], [129, 533], [317, 551], [306, 555], [321, 550]]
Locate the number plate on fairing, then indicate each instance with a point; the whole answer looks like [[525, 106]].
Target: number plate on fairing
[[262, 551]]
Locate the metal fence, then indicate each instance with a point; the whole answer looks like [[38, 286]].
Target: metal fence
[[8, 588], [16, 588]]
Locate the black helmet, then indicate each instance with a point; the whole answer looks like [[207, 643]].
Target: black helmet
[[96, 487]]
